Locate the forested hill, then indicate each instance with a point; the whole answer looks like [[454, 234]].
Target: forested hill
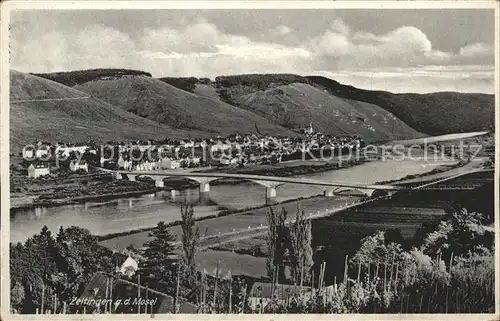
[[72, 78], [434, 113], [293, 101]]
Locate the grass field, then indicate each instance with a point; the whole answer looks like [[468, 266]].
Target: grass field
[[237, 222], [238, 264]]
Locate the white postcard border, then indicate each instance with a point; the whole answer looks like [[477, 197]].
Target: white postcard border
[[8, 6]]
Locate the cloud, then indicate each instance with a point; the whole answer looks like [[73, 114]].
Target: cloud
[[405, 46], [338, 26], [419, 80], [281, 30], [476, 49], [95, 46], [201, 49]]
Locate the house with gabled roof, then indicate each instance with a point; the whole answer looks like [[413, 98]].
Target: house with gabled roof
[[76, 165], [37, 169]]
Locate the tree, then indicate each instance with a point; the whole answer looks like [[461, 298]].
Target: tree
[[158, 267], [375, 250], [32, 266], [276, 242], [460, 234], [190, 238], [62, 266], [17, 297], [79, 256], [299, 246]]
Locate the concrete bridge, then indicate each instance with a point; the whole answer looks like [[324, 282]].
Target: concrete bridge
[[269, 182], [272, 182]]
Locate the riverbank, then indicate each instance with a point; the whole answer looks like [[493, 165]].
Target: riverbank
[[77, 189], [290, 168], [146, 211], [129, 236], [223, 212], [236, 221], [440, 169]]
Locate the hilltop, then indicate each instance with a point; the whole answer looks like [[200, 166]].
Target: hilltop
[[161, 102], [72, 78], [278, 103], [295, 105], [432, 114], [42, 109]]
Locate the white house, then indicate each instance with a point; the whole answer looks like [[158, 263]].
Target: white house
[[229, 160], [75, 165], [127, 165], [146, 166], [28, 153], [41, 152], [37, 170], [309, 130], [192, 160], [220, 146], [121, 162], [66, 150], [129, 267], [167, 163]]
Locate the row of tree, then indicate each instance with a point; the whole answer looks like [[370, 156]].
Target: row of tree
[[452, 270], [289, 245], [76, 77]]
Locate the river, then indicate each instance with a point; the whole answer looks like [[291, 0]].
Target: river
[[129, 213]]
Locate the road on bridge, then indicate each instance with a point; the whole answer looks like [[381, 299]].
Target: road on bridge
[[291, 180]]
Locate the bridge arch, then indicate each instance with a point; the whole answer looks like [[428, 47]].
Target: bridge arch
[[378, 193], [369, 192], [347, 191]]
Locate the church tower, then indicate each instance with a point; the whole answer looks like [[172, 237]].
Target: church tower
[[310, 130]]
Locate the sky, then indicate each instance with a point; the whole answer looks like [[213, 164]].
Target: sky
[[399, 50]]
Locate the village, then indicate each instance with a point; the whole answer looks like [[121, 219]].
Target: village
[[43, 158]]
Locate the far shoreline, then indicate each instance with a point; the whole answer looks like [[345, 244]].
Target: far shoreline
[[299, 168]]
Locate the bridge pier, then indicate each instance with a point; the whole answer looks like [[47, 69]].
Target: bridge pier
[[204, 187], [118, 175], [328, 193], [271, 196], [270, 192], [129, 203], [159, 181], [204, 184], [131, 177], [205, 199]]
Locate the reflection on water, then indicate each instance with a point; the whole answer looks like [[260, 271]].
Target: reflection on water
[[111, 216]]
